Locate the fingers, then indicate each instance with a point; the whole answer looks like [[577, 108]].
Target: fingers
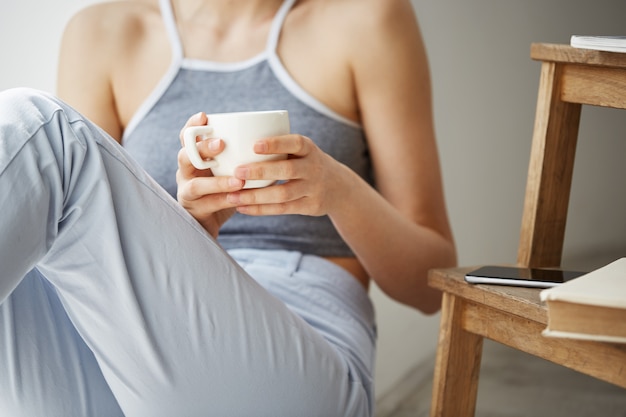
[[205, 199], [195, 184], [299, 150], [293, 197], [216, 188], [207, 149], [304, 174], [296, 145], [283, 170], [198, 119]]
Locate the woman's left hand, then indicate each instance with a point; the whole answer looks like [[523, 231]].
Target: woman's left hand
[[312, 179]]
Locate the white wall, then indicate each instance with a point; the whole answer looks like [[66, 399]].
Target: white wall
[[485, 88], [30, 35]]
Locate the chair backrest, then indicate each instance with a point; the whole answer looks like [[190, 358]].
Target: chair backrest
[[570, 77]]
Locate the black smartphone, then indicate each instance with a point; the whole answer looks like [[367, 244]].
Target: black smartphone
[[520, 277]]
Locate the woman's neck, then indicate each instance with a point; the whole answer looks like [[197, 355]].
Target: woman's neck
[[224, 30], [220, 13]]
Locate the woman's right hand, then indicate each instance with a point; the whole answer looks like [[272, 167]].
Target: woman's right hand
[[199, 192]]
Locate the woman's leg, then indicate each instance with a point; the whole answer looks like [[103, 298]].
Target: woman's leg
[[45, 367], [176, 326], [328, 298]]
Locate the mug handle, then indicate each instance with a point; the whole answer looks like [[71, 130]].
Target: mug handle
[[191, 146]]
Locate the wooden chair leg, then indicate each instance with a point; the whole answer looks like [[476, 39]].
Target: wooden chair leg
[[458, 364], [549, 174]]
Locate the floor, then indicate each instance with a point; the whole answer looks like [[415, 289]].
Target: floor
[[515, 384]]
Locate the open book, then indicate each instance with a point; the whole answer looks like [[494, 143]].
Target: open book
[[591, 307], [600, 43]]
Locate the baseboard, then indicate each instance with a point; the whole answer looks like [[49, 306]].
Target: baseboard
[[413, 381]]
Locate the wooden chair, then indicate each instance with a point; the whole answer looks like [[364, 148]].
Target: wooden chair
[[514, 316]]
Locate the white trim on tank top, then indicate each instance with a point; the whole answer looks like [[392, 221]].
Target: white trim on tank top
[[269, 54]]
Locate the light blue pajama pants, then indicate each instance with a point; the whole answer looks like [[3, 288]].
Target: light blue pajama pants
[[114, 301]]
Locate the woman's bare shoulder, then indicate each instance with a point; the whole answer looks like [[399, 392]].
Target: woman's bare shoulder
[[363, 13], [111, 20], [100, 42], [362, 26], [118, 8]]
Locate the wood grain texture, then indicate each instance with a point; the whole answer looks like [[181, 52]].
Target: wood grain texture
[[548, 52], [550, 172], [457, 365]]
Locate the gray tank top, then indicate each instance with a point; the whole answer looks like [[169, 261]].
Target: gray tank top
[[259, 83]]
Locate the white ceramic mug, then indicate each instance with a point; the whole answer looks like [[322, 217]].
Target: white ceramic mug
[[239, 131]]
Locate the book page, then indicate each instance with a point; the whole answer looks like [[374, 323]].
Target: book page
[[605, 286], [599, 43]]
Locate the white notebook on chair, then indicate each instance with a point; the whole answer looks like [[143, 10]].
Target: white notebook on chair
[[600, 43]]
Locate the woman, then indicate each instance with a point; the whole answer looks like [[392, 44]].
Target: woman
[[175, 326]]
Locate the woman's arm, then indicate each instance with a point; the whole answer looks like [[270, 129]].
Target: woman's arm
[[407, 230]]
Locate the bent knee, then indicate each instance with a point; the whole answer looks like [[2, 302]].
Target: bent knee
[[20, 96], [25, 110]]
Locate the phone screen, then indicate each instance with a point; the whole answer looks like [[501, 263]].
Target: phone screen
[[523, 277]]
